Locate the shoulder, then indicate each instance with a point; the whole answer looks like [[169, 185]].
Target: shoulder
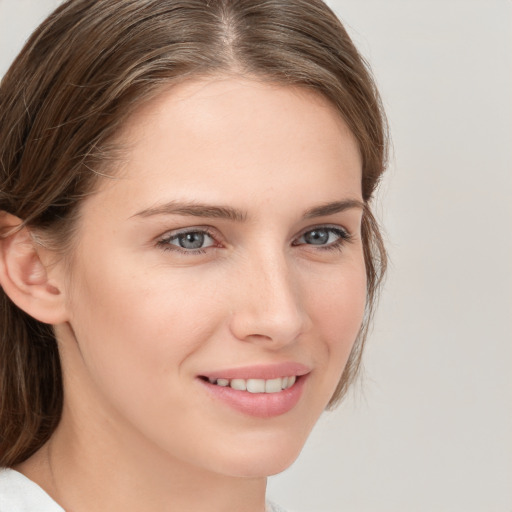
[[19, 494], [272, 507]]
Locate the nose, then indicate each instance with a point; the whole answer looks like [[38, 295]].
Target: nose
[[268, 306]]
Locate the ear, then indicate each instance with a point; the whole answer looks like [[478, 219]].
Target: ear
[[24, 273]]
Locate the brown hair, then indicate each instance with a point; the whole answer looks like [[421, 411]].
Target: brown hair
[[78, 78]]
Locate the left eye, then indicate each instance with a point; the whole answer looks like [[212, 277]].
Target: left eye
[[323, 236], [191, 240]]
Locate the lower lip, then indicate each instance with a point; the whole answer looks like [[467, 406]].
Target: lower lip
[[260, 405]]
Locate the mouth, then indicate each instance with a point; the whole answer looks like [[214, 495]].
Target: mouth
[[255, 385], [261, 391]]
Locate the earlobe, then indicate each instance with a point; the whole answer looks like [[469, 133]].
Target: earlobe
[[24, 274]]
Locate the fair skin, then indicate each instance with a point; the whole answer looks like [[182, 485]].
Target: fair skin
[[146, 315]]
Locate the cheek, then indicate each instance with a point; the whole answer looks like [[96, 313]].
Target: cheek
[[337, 312], [137, 324], [135, 334]]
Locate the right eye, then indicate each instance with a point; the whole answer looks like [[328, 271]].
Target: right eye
[[188, 242]]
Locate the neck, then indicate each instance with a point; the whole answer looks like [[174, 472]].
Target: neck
[[85, 472]]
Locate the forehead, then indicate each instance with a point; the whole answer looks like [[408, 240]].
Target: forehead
[[229, 136]]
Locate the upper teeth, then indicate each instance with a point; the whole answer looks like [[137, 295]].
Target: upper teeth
[[257, 385]]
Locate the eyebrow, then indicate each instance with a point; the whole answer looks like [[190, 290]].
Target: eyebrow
[[229, 213], [195, 210], [332, 208]]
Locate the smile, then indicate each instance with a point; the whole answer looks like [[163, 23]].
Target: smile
[[262, 391], [256, 385]]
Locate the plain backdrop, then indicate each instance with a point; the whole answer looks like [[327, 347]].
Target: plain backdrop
[[429, 426]]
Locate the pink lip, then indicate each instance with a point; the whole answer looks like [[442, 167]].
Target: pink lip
[[270, 371], [260, 405]]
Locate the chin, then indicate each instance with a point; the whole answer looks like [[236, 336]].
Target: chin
[[262, 457], [261, 468]]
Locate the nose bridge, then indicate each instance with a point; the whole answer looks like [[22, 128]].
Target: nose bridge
[[269, 304]]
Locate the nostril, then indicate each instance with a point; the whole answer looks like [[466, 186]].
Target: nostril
[[260, 336]]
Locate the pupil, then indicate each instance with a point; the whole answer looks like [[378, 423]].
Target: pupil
[[317, 236], [191, 240]]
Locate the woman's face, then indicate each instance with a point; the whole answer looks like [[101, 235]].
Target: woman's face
[[225, 253]]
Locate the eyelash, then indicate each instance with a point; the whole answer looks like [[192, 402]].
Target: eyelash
[[165, 244], [344, 237]]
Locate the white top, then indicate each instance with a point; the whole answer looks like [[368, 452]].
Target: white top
[[19, 494]]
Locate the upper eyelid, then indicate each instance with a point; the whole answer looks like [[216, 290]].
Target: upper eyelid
[[173, 233], [215, 235], [334, 227]]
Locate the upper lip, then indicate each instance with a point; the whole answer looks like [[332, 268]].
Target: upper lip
[[260, 371]]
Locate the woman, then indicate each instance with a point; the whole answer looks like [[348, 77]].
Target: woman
[[188, 257]]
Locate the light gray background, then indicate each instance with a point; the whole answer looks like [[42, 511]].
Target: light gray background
[[429, 427]]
